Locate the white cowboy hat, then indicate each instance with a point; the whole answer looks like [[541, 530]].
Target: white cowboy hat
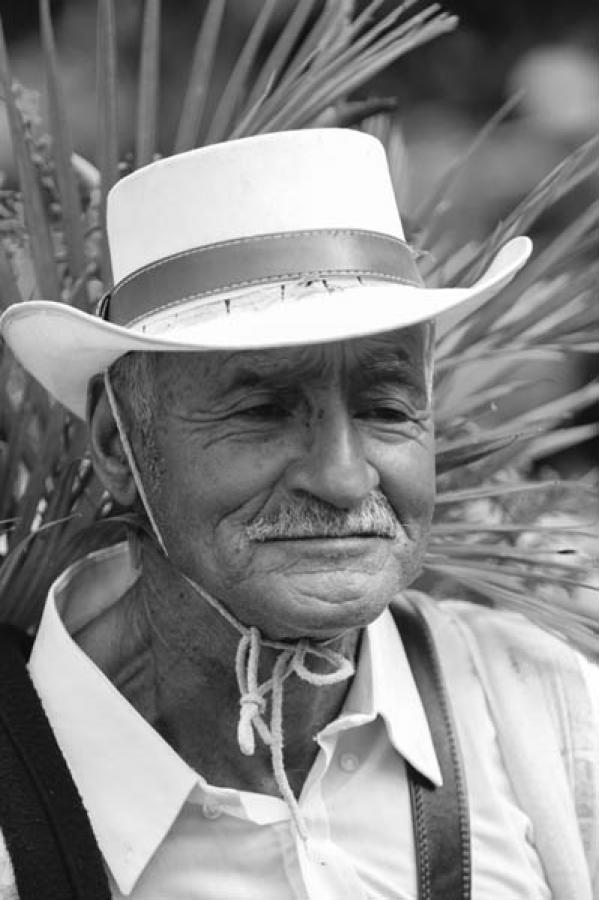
[[267, 241]]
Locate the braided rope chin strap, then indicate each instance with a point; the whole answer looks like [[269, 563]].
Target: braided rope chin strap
[[252, 695]]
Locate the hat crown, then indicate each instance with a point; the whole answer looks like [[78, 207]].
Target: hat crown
[[268, 184]]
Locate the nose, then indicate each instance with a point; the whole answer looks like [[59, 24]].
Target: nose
[[333, 466]]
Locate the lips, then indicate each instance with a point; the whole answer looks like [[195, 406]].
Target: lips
[[366, 535]]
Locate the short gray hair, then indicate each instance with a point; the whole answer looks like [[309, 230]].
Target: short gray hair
[[133, 379]]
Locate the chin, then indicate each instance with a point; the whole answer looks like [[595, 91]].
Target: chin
[[324, 606]]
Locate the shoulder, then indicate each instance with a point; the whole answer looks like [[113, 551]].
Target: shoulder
[[543, 696], [527, 674], [512, 640]]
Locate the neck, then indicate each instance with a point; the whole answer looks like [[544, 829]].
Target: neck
[[173, 657]]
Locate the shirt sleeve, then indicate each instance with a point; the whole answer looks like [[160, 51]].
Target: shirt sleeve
[[543, 696], [589, 764]]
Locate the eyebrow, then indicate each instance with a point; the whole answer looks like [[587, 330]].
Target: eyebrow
[[390, 368], [246, 378], [403, 373], [252, 370], [391, 364]]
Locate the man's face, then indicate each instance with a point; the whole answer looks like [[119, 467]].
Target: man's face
[[297, 485]]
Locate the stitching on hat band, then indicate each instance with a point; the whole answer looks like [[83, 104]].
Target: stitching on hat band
[[286, 277], [256, 260]]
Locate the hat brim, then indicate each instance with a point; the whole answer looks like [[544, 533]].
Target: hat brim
[[63, 348]]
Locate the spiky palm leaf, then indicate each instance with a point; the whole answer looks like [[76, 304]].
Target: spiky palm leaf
[[52, 509]]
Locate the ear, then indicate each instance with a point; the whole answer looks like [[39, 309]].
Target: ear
[[109, 458]]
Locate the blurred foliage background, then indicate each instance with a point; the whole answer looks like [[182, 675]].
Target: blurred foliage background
[[542, 56], [491, 131]]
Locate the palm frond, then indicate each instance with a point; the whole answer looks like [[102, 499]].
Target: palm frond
[[431, 213], [108, 125], [297, 102], [500, 536], [196, 93], [38, 226], [147, 106], [580, 630], [9, 289], [62, 151], [236, 86], [278, 57]]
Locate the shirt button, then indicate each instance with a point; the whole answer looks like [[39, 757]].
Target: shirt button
[[211, 811], [348, 762]]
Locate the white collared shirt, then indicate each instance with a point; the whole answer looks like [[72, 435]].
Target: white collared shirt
[[166, 834]]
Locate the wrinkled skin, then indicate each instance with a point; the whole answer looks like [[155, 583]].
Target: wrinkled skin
[[234, 436], [238, 433]]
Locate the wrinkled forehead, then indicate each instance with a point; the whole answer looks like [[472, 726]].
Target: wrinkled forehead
[[403, 352]]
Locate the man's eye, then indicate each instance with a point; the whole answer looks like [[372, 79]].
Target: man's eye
[[377, 413]]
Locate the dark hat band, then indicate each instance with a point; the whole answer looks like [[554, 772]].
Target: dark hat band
[[262, 259]]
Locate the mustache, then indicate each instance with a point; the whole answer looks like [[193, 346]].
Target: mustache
[[308, 517]]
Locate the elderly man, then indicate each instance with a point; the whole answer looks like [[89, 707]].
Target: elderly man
[[249, 704]]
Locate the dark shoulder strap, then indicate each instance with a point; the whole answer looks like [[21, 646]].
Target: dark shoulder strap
[[440, 814], [46, 829]]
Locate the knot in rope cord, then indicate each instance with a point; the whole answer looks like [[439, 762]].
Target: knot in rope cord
[[252, 695]]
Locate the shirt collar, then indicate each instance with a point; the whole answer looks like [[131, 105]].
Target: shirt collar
[[119, 762], [383, 671]]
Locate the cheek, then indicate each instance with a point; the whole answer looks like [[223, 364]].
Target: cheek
[[206, 489], [408, 481]]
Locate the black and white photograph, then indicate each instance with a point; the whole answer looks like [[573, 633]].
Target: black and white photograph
[[299, 450]]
